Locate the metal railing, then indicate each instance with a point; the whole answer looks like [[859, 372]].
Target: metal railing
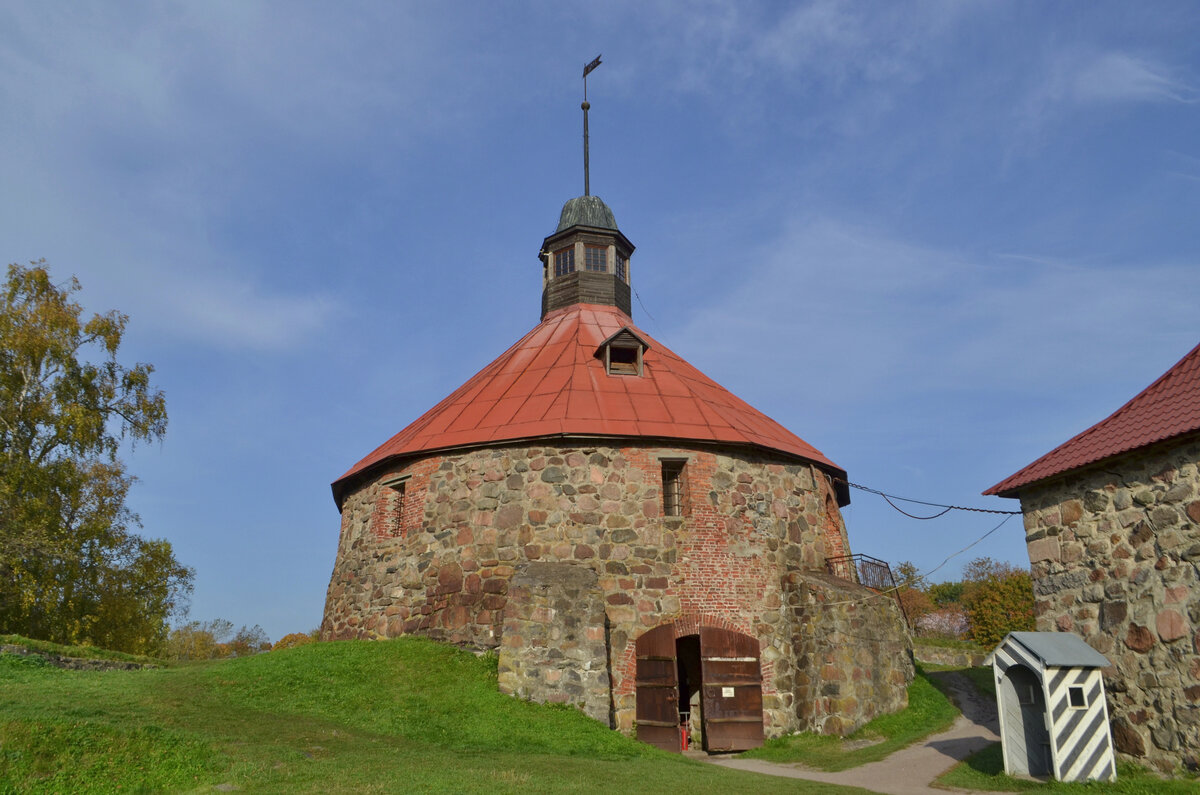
[[871, 572]]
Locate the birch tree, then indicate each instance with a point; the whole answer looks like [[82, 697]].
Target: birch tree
[[72, 569]]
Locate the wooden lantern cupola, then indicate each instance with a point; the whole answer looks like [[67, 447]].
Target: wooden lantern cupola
[[586, 260]]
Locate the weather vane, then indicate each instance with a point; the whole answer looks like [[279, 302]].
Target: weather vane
[[587, 188]]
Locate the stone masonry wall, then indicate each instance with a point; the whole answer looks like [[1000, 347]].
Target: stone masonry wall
[[853, 654], [472, 521], [1115, 551], [555, 640]]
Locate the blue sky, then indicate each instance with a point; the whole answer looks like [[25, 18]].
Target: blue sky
[[933, 239]]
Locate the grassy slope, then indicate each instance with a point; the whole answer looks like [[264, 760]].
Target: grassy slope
[[85, 652], [403, 715], [929, 711]]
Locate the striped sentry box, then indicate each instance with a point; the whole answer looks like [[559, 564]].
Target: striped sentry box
[[1053, 715]]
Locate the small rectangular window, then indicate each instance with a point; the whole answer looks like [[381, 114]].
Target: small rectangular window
[[1078, 698], [390, 508], [564, 261], [396, 509], [674, 494], [595, 259], [621, 268]]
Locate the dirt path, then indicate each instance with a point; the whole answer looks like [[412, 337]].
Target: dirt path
[[908, 771]]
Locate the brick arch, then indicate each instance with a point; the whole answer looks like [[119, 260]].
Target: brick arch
[[690, 625], [685, 625]]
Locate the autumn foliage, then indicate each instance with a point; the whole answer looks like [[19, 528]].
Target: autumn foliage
[[999, 603], [993, 599], [216, 639], [73, 569], [294, 639]]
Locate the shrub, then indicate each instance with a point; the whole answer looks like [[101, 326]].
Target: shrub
[[999, 604], [945, 594], [292, 640], [207, 640]]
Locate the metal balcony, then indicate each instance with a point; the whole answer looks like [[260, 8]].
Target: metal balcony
[[871, 572]]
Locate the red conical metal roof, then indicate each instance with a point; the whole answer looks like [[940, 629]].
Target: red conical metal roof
[[1168, 408], [551, 383]]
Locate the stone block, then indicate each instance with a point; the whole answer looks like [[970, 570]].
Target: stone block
[[1139, 638], [1126, 739], [1096, 501], [1171, 626], [1044, 549], [449, 579], [1071, 512], [1165, 516], [1113, 614]]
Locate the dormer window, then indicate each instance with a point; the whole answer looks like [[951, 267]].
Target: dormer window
[[564, 261], [622, 353], [595, 258], [624, 361]]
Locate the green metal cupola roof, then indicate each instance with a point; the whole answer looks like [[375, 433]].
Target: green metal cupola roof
[[586, 211]]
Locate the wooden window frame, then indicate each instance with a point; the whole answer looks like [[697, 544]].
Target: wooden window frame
[[674, 487], [595, 267], [629, 361], [622, 268], [564, 261], [1072, 690]]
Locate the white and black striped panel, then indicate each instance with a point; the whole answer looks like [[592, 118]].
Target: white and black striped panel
[[1013, 653], [1079, 735]]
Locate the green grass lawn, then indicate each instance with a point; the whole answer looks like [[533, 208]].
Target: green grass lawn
[[401, 715], [929, 711], [985, 772], [950, 643], [983, 678]]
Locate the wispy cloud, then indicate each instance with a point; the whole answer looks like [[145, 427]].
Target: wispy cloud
[[1120, 77], [872, 313], [133, 134], [1076, 79], [823, 41], [234, 314]]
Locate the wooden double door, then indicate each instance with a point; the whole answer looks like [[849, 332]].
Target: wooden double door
[[722, 665]]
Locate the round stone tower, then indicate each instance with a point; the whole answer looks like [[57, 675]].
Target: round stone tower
[[630, 536]]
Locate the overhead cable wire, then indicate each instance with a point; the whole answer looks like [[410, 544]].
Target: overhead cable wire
[[947, 508], [644, 309], [908, 583]]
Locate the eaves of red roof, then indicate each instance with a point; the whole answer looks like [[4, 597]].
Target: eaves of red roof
[[551, 383], [1168, 408]]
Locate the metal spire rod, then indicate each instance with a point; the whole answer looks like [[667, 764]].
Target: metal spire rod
[[587, 188]]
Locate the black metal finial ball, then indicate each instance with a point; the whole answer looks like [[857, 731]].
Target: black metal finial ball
[[586, 105]]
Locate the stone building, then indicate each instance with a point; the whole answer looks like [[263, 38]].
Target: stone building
[[1112, 524], [624, 531]]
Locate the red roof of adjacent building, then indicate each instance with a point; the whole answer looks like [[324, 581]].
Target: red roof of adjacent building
[[551, 383], [1168, 408]]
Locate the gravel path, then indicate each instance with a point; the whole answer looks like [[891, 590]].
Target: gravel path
[[908, 771]]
